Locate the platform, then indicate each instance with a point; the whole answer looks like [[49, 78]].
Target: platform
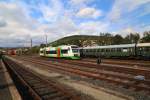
[[8, 90]]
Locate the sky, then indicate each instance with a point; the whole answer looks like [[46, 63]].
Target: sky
[[21, 20]]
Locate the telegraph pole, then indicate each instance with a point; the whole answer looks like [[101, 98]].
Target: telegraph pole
[[31, 46], [31, 43], [46, 39]]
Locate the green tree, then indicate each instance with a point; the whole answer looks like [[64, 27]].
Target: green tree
[[146, 37], [132, 38], [118, 39], [43, 45]]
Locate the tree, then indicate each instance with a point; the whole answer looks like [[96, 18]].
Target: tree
[[132, 38], [118, 39], [146, 37], [43, 45]]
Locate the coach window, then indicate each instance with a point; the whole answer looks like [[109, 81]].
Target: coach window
[[87, 50], [146, 49], [41, 51], [118, 49], [106, 50], [125, 50]]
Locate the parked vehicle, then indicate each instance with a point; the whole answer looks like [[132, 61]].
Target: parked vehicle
[[64, 51], [141, 50]]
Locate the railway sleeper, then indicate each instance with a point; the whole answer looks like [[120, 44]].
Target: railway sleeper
[[62, 98], [38, 86], [42, 92], [33, 81], [52, 96]]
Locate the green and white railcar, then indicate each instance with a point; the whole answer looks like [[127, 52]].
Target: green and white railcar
[[64, 51]]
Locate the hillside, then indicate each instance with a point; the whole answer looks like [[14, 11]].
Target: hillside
[[103, 39], [88, 40]]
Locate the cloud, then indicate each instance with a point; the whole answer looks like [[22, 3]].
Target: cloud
[[20, 20], [78, 2], [93, 28], [89, 13], [16, 24], [52, 11], [3, 23], [122, 9]]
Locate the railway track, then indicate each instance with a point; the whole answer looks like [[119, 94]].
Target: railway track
[[136, 63], [35, 87], [116, 68], [118, 79]]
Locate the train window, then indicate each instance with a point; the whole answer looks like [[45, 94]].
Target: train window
[[64, 51], [140, 49], [106, 50], [74, 46], [125, 50], [98, 50], [113, 49], [41, 51], [75, 50], [118, 49], [51, 52], [146, 49]]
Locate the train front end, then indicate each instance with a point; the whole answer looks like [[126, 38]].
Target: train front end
[[75, 52]]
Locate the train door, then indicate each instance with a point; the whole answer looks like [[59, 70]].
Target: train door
[[58, 52]]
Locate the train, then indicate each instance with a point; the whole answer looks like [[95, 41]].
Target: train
[[63, 51], [139, 50], [11, 52]]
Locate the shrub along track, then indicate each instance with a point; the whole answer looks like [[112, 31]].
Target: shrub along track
[[35, 87], [117, 78]]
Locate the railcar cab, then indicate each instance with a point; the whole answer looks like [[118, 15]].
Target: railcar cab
[[64, 51], [71, 51], [42, 51], [75, 51]]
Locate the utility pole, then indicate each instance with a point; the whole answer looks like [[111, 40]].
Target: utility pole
[[31, 43], [46, 39], [31, 46], [99, 45]]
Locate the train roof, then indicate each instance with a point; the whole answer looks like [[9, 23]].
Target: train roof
[[143, 44], [68, 46], [110, 46], [62, 46]]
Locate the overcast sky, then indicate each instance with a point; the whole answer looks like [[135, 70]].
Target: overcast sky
[[21, 20]]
